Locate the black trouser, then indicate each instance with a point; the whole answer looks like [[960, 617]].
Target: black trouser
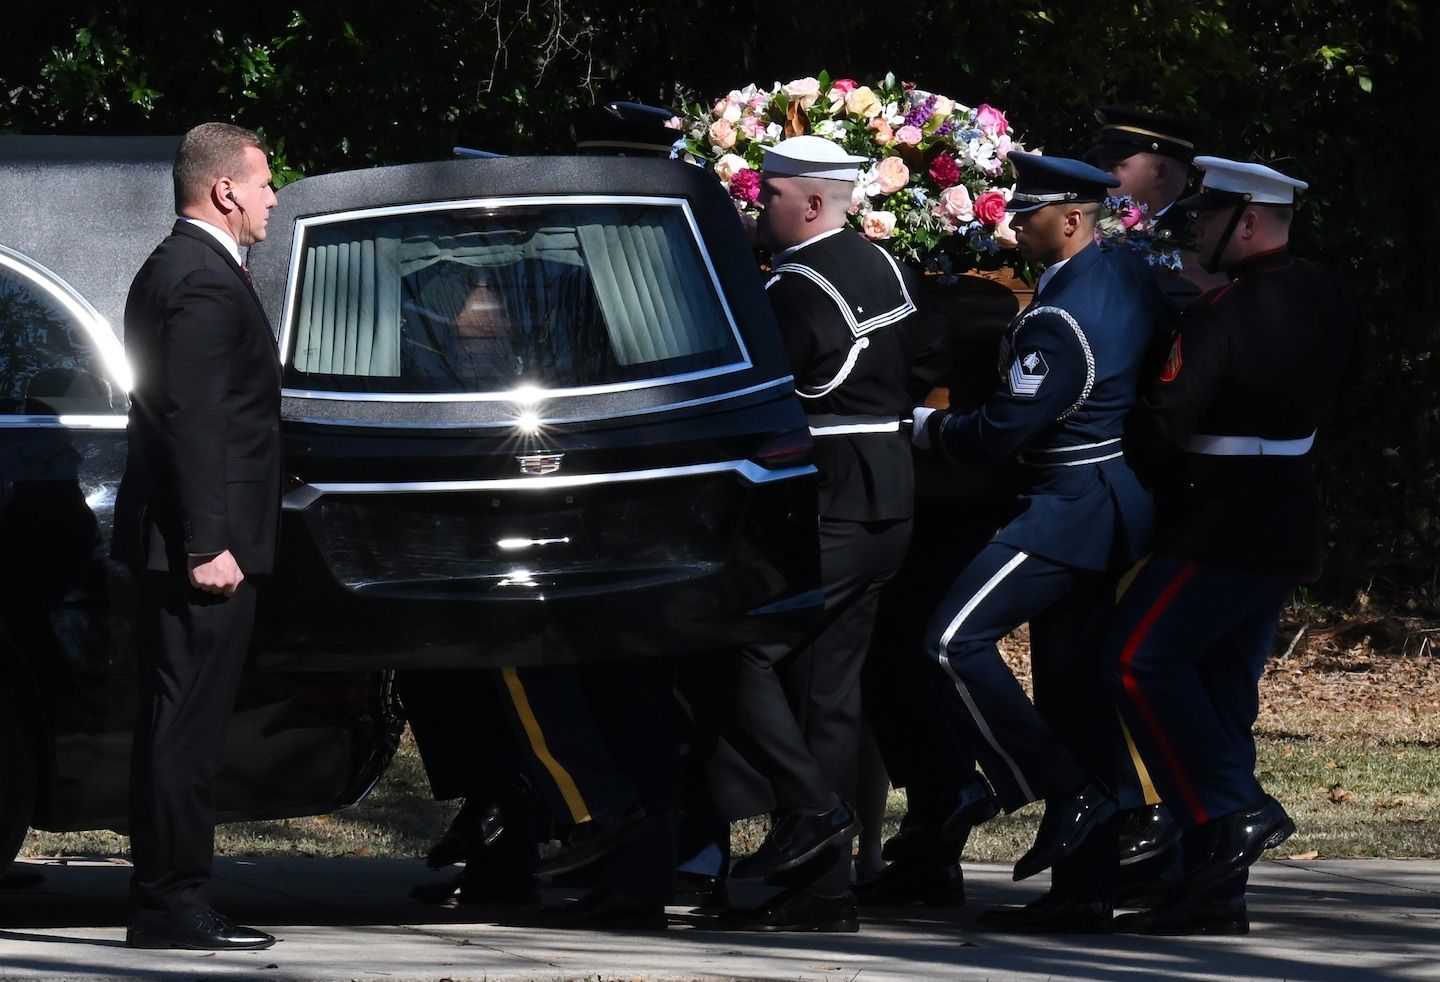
[[796, 717], [601, 739], [192, 651]]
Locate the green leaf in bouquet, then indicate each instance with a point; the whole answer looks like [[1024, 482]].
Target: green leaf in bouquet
[[824, 79]]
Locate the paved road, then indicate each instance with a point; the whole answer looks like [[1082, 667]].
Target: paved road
[[350, 920]]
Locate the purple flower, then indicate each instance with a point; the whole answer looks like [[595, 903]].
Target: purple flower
[[921, 113]]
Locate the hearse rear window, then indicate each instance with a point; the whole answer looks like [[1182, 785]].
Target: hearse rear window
[[484, 298]]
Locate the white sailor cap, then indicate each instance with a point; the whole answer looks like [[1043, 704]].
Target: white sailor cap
[[812, 156], [1229, 182]]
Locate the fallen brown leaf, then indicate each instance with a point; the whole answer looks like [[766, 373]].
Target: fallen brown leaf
[[1338, 793], [1312, 854]]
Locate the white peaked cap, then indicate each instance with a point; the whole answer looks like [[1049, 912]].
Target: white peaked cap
[[1263, 185], [812, 156]]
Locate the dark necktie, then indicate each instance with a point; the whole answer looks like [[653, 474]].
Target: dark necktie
[[245, 268]]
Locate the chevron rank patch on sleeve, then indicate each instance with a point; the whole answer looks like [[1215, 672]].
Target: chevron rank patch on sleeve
[[1027, 371]]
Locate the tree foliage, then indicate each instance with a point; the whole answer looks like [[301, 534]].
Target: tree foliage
[[1333, 89]]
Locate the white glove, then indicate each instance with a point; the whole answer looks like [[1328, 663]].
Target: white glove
[[920, 435]]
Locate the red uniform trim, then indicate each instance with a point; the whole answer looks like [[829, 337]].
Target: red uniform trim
[[1137, 698]]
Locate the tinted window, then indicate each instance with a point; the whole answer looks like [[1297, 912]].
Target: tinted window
[[47, 363], [489, 299]]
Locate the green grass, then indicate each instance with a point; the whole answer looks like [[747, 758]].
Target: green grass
[[1357, 784]]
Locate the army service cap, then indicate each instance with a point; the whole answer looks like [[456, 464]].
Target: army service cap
[[1125, 132]]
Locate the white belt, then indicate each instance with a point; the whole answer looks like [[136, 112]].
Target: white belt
[[839, 429], [1248, 446]]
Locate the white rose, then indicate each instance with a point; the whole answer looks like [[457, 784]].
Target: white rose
[[727, 165]]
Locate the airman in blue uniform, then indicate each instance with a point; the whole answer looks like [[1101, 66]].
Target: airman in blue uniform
[[1071, 367]]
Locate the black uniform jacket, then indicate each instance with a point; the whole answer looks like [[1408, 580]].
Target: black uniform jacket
[[843, 300], [1262, 359], [203, 473], [1072, 364]]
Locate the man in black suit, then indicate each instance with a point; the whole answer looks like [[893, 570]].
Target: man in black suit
[[197, 518]]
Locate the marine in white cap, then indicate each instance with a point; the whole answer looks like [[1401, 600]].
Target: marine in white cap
[[1228, 429]]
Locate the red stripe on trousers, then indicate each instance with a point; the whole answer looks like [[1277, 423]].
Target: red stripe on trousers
[[1137, 698]]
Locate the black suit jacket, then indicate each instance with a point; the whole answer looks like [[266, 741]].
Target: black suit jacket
[[203, 473]]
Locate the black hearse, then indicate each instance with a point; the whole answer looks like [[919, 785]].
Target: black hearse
[[535, 410]]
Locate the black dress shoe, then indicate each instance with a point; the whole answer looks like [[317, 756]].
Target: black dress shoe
[[1240, 838], [701, 892], [589, 841], [800, 909], [1051, 915], [795, 838], [206, 930], [604, 910], [914, 881], [472, 891], [1066, 823], [1146, 833], [478, 824], [1189, 914], [941, 832]]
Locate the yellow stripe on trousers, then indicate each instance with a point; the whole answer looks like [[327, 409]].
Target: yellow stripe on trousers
[[1147, 786], [568, 790]]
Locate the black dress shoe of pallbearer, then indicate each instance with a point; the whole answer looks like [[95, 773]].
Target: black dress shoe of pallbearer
[[799, 909], [1240, 838], [478, 824], [1051, 914], [589, 841], [1189, 914], [914, 881], [797, 837], [1146, 833], [942, 832], [604, 910], [476, 891], [706, 893], [1066, 823], [205, 930]]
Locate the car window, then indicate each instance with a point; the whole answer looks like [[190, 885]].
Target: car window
[[478, 298], [48, 362]]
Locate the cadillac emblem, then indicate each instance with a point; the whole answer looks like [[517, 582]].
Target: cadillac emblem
[[539, 463]]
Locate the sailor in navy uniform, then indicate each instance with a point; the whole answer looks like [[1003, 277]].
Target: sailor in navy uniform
[[1254, 368], [1071, 367], [843, 306]]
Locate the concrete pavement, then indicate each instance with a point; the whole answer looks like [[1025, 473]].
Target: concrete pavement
[[349, 919]]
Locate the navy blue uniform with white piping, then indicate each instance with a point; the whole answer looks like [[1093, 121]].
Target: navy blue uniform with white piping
[[1254, 368], [843, 307], [1071, 366]]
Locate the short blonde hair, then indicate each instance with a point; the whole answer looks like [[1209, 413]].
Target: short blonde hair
[[207, 153]]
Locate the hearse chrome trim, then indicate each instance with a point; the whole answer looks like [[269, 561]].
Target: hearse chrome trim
[[529, 399], [96, 327], [65, 421], [307, 494], [522, 201]]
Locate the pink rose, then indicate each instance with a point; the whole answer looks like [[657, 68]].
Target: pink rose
[[745, 185], [1131, 215], [883, 133], [845, 85], [945, 170], [753, 127], [991, 120], [892, 175], [727, 109], [878, 225], [803, 92], [990, 207], [722, 134], [955, 206], [909, 135]]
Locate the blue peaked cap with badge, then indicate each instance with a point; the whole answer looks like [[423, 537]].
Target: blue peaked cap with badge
[[1041, 181]]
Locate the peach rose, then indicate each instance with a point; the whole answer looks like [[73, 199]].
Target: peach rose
[[803, 91], [727, 166], [1004, 234], [863, 102], [892, 175], [722, 134], [908, 135], [943, 107], [878, 225], [883, 133], [955, 206], [728, 110]]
